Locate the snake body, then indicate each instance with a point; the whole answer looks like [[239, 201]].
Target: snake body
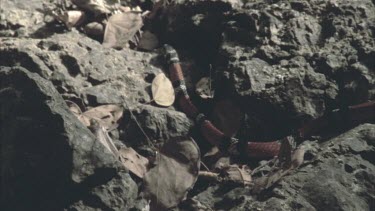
[[208, 130]]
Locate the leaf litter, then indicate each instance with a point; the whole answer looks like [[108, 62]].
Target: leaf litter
[[176, 166]]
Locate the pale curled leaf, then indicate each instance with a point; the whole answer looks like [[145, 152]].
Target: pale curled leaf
[[203, 88], [175, 172], [133, 161], [162, 90], [121, 28]]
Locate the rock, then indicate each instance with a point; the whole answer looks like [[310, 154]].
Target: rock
[[339, 177], [283, 62], [20, 19], [159, 124], [49, 151], [294, 90], [80, 66]]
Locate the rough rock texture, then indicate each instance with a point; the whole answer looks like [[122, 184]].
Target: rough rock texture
[[49, 160], [283, 62], [298, 59], [338, 175], [20, 18], [158, 123], [81, 68]]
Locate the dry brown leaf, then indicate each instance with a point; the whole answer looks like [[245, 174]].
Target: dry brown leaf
[[207, 175], [176, 171], [103, 137], [203, 88], [121, 28], [84, 119], [76, 110], [106, 115], [73, 107], [227, 116], [238, 174], [133, 161], [162, 90]]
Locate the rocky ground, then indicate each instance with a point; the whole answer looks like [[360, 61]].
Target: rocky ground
[[283, 62]]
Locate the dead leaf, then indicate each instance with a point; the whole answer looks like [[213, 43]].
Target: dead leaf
[[73, 107], [207, 175], [121, 28], [237, 174], [106, 115], [85, 120], [162, 90], [103, 137], [76, 110], [227, 116], [176, 171], [133, 161], [148, 41], [203, 88], [98, 7]]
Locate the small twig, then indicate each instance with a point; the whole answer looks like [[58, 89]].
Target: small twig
[[210, 80], [204, 165], [139, 126]]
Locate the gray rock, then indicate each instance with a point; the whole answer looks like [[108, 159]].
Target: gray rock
[[339, 177], [81, 67], [50, 159], [294, 90], [21, 19], [160, 125]]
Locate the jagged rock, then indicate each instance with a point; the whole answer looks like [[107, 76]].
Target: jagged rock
[[80, 66], [292, 42], [340, 176], [292, 89], [160, 125], [19, 18], [50, 160], [283, 61]]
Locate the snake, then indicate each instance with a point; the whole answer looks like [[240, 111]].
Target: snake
[[209, 131]]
